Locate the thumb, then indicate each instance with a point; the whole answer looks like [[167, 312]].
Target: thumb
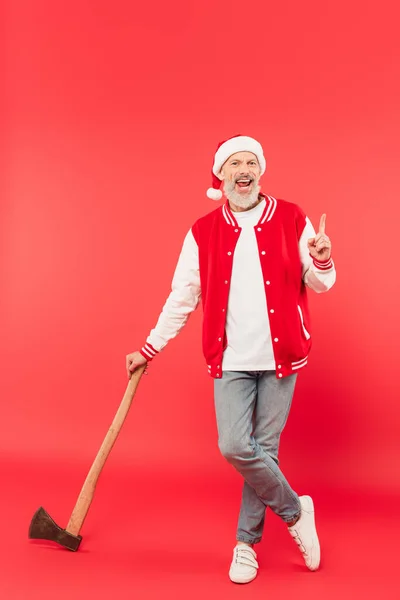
[[311, 241]]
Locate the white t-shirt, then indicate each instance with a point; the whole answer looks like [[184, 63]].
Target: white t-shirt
[[247, 324]]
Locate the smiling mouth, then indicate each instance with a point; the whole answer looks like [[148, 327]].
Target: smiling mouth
[[244, 182]]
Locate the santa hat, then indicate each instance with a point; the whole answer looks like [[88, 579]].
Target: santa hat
[[225, 149]]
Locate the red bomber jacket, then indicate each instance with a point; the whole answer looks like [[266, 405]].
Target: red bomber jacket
[[278, 232]]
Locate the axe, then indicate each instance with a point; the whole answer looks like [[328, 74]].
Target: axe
[[42, 525]]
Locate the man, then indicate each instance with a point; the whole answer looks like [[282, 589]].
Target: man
[[250, 261]]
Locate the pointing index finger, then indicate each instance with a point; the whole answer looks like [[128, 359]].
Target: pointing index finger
[[322, 224]]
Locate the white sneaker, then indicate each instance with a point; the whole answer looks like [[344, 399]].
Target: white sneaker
[[244, 564], [305, 534]]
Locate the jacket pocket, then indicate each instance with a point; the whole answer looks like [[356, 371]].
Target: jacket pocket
[[307, 335]]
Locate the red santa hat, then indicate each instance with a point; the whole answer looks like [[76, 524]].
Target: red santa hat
[[225, 149]]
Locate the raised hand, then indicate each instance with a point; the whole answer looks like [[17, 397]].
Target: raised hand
[[320, 246]]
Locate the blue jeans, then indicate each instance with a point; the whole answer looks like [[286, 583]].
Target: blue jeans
[[252, 409]]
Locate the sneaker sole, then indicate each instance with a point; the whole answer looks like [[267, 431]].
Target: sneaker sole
[[308, 506], [242, 579]]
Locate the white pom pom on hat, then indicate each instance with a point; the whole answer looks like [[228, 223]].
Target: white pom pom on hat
[[225, 149], [214, 194]]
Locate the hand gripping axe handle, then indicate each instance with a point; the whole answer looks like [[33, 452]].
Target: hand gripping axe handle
[[42, 525]]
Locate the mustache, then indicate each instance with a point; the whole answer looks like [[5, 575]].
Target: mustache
[[246, 176]]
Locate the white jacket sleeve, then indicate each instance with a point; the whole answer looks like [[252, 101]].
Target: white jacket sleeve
[[181, 302], [317, 276]]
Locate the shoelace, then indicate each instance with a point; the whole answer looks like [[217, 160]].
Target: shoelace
[[244, 556]]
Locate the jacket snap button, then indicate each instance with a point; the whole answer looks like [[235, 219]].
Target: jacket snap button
[[276, 340]]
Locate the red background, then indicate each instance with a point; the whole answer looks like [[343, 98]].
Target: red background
[[111, 114]]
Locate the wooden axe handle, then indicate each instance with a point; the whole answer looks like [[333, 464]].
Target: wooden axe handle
[[87, 492]]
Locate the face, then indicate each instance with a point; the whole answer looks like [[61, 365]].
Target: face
[[241, 174], [243, 170]]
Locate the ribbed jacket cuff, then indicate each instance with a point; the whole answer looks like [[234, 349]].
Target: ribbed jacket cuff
[[148, 352], [322, 265]]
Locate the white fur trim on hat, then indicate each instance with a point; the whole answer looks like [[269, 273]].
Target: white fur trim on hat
[[241, 143]]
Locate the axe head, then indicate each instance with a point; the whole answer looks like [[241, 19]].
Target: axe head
[[43, 527]]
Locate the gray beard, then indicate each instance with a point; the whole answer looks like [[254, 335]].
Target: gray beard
[[247, 201]]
